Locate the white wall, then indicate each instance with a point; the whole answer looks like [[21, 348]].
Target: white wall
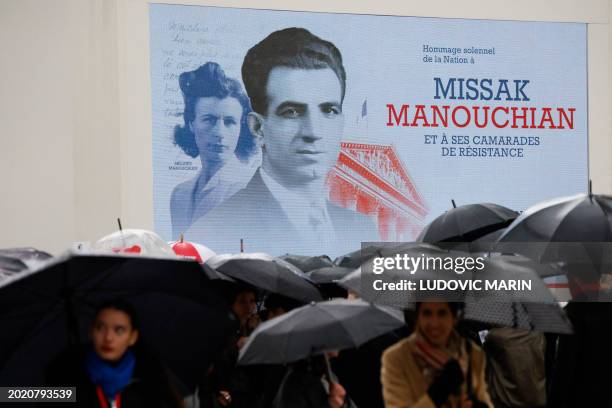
[[75, 111], [59, 150], [37, 115]]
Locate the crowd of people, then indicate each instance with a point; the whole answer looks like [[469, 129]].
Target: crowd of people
[[435, 360]]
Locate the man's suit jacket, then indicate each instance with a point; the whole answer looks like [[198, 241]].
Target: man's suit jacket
[[254, 215]]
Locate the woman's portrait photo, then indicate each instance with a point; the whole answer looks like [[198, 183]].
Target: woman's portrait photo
[[215, 129]]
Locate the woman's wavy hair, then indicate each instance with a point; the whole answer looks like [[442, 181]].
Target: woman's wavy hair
[[209, 80]]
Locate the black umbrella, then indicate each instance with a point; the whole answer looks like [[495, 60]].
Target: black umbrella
[[45, 310], [14, 260], [575, 231], [326, 279], [308, 263], [10, 266], [328, 274], [542, 317], [467, 223], [352, 281], [515, 287], [545, 270], [215, 275], [483, 244], [356, 258], [486, 242], [316, 328], [268, 273], [26, 254]]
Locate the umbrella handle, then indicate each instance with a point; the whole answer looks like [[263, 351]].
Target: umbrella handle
[[328, 371]]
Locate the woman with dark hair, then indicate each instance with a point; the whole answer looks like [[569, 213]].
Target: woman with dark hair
[[435, 366], [114, 370], [215, 129]]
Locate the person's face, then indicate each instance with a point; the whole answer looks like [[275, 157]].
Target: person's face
[[244, 305], [303, 125], [112, 333], [436, 322], [216, 127]]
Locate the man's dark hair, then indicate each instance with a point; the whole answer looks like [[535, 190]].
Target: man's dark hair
[[292, 48]]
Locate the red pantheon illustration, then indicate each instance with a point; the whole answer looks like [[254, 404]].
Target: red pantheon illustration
[[371, 179]]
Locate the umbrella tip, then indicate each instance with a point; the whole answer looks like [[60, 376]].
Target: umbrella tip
[[181, 238], [590, 188], [119, 222], [453, 201]]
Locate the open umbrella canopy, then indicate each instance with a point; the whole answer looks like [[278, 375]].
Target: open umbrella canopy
[[16, 260], [328, 274], [214, 274], [268, 273], [542, 317], [191, 250], [543, 270], [30, 256], [576, 231], [308, 263], [400, 295], [467, 223], [317, 328], [484, 243], [10, 265], [45, 310], [134, 241], [578, 218], [545, 317], [352, 281], [356, 258], [514, 286]]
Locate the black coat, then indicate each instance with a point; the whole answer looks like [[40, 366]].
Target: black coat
[[358, 369], [150, 386], [581, 371], [302, 387]]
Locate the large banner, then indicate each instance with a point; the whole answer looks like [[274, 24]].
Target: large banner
[[312, 132]]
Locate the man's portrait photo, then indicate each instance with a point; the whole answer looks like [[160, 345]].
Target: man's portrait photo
[[296, 83]]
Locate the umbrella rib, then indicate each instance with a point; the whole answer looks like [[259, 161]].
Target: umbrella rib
[[596, 201], [568, 211], [27, 313], [43, 295], [522, 219], [341, 323], [109, 273], [34, 329], [286, 345], [106, 275]]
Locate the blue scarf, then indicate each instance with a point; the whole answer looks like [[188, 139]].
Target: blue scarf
[[113, 378]]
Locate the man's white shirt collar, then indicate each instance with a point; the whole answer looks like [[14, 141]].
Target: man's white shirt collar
[[296, 206]]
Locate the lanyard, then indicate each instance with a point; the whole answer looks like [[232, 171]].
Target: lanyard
[[102, 398]]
